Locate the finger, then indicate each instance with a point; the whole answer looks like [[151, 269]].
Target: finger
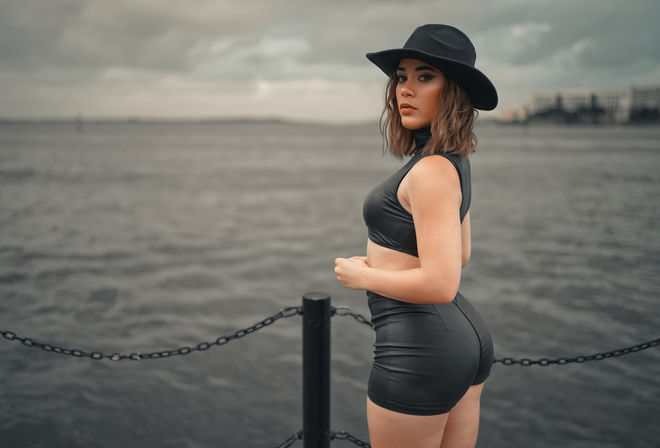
[[341, 261]]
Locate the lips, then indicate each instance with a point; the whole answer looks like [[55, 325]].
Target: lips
[[406, 108]]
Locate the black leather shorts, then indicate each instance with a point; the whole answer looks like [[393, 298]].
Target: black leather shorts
[[426, 355]]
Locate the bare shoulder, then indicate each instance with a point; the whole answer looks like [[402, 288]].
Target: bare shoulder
[[431, 181], [435, 170]]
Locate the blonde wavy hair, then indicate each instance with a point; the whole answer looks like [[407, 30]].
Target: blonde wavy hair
[[451, 126]]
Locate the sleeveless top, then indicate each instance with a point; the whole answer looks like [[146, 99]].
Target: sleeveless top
[[388, 223]]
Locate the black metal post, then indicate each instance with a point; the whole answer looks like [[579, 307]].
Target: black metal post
[[316, 370]]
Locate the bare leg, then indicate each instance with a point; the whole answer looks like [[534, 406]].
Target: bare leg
[[389, 429], [463, 423]]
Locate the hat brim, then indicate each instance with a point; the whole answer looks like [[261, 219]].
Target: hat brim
[[481, 91]]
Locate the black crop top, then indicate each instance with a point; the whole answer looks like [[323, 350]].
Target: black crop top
[[388, 223]]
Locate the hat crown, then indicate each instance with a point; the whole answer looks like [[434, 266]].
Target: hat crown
[[442, 41]]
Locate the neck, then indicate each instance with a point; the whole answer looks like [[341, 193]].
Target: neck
[[421, 136]]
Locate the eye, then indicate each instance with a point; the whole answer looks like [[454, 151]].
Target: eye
[[426, 77], [400, 78]]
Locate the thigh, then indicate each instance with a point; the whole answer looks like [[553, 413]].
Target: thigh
[[462, 425], [389, 429]]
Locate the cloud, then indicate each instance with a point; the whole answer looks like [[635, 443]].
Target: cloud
[[51, 46], [552, 45], [610, 32], [170, 35], [239, 58], [145, 34]]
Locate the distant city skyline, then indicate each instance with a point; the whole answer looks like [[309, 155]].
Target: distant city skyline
[[298, 60]]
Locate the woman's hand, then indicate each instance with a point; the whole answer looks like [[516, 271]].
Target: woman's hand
[[351, 271]]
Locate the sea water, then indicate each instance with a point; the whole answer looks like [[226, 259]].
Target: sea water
[[143, 237]]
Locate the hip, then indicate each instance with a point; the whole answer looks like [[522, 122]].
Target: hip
[[425, 323]]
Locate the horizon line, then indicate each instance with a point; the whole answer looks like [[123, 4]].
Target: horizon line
[[164, 120]]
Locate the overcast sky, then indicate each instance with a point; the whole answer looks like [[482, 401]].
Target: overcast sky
[[298, 59]]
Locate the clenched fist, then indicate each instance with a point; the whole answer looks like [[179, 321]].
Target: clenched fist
[[351, 272]]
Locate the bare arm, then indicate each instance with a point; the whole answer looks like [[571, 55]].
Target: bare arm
[[434, 193]]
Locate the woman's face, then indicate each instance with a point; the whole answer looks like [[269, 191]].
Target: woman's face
[[418, 92]]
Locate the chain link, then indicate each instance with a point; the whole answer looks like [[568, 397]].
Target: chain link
[[526, 362], [343, 311], [202, 346], [291, 440], [343, 435]]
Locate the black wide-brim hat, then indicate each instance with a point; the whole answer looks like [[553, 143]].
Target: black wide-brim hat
[[448, 49]]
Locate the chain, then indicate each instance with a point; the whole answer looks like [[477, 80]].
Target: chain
[[297, 311], [346, 311], [291, 440], [343, 435], [202, 346], [334, 435], [291, 311], [578, 359]]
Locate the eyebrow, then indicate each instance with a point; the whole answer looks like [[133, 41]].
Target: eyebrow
[[421, 68]]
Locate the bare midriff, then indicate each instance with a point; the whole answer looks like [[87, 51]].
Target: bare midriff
[[380, 257]]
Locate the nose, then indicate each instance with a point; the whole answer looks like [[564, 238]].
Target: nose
[[406, 91]]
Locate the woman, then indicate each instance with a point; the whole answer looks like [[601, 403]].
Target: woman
[[433, 351]]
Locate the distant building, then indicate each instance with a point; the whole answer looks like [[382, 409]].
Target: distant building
[[587, 104], [645, 104]]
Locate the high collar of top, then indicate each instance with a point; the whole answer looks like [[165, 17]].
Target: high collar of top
[[421, 136]]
